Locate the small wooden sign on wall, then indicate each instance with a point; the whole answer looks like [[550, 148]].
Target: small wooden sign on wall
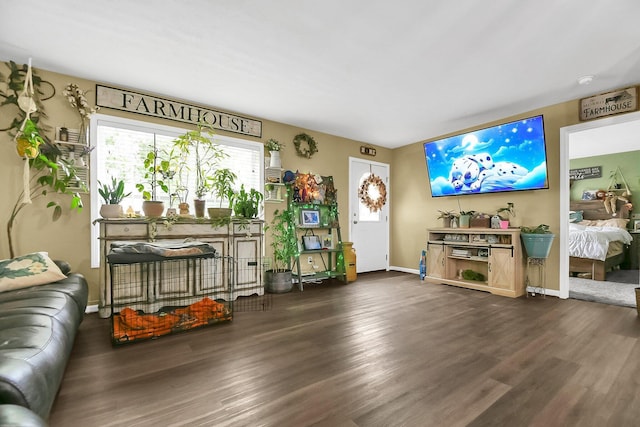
[[606, 104], [585, 173]]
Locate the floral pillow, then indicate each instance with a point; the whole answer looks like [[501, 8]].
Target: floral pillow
[[28, 270]]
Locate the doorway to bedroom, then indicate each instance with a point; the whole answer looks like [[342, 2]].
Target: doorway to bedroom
[[600, 239]]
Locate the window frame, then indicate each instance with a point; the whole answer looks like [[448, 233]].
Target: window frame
[[150, 127]]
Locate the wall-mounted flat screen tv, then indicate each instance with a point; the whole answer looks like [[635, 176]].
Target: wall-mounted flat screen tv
[[507, 157]]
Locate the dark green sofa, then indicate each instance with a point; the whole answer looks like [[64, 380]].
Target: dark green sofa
[[38, 326]]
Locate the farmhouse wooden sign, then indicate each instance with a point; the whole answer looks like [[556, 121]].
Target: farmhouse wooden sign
[[585, 173], [620, 101], [149, 105]]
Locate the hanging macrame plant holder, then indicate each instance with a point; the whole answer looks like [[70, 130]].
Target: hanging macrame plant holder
[[617, 175], [24, 148]]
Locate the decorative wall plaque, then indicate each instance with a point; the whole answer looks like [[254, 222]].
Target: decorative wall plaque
[[620, 101]]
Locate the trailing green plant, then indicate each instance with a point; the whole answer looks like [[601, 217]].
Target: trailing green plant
[[274, 145], [49, 174], [283, 239], [246, 204], [538, 229], [9, 96], [222, 184], [112, 194], [207, 154]]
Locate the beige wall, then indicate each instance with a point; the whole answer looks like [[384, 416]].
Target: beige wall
[[412, 208], [69, 237]]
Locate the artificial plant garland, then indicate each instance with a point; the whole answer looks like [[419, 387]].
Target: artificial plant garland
[[310, 150], [366, 199]]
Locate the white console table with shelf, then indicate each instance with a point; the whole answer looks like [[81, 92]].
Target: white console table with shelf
[[241, 240], [496, 254]]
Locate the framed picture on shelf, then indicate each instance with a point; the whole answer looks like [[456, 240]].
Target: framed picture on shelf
[[311, 243], [309, 218], [636, 225], [327, 241]]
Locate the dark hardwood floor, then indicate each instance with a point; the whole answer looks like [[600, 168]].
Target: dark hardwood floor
[[386, 350]]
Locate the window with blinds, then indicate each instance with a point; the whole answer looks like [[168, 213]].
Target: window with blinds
[[121, 146]]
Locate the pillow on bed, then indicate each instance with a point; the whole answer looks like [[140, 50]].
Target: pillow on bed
[[575, 216], [28, 270], [613, 222]]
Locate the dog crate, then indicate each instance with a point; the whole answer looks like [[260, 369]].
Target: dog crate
[[158, 290]]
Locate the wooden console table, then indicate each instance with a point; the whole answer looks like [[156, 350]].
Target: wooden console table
[[494, 253], [240, 240]]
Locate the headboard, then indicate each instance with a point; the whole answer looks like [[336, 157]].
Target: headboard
[[594, 209]]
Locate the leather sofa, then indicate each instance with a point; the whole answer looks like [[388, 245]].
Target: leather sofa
[[38, 325]]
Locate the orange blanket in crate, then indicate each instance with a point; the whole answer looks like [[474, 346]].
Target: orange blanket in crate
[[130, 325]]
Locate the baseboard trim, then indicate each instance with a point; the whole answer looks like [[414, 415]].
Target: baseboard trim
[[404, 270], [540, 291]]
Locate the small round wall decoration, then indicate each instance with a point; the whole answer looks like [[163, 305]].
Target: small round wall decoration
[[373, 193], [305, 151]]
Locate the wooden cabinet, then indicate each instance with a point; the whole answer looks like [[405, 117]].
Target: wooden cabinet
[[494, 255], [241, 240], [435, 259]]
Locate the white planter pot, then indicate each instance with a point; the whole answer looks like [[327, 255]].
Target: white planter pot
[[275, 162]]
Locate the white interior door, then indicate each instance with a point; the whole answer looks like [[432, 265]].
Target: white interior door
[[368, 228]]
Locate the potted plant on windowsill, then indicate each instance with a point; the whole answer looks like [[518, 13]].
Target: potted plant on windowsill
[[274, 146], [285, 247], [222, 188], [199, 145], [246, 204], [537, 240], [159, 171], [112, 195]]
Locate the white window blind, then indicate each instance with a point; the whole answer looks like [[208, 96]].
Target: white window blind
[[120, 149]]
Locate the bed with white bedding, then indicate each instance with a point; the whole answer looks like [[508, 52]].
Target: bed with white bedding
[[597, 244]]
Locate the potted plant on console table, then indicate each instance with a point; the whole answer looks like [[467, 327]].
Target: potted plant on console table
[[446, 217], [112, 195], [537, 240], [199, 145]]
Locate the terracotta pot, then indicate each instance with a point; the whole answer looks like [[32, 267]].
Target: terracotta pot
[[152, 208]]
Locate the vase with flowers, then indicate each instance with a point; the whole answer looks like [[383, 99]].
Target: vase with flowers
[[78, 100]]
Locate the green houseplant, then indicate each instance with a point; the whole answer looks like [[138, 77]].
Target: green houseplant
[[157, 173], [112, 195], [274, 146], [465, 218], [198, 145], [446, 217], [285, 246], [537, 240], [222, 187], [246, 204]]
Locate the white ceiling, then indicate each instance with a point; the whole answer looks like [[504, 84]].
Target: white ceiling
[[382, 72]]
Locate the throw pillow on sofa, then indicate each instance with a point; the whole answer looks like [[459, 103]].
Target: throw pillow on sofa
[[28, 270]]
